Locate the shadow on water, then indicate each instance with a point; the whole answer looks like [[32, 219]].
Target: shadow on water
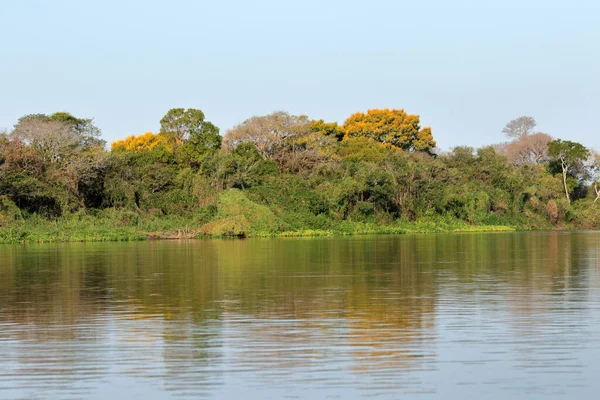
[[430, 315]]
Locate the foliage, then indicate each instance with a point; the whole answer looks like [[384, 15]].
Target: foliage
[[570, 157], [391, 127], [239, 216], [527, 149], [519, 127], [571, 154], [180, 125], [9, 212], [326, 128], [145, 142], [284, 175], [268, 132], [192, 138]]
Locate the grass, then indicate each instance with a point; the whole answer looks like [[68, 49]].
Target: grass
[[66, 232], [99, 230]]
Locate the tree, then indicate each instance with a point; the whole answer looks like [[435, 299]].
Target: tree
[[391, 127], [89, 172], [58, 132], [267, 132], [363, 149], [595, 172], [519, 127], [180, 126], [326, 128], [54, 163], [571, 156], [528, 149], [191, 137], [143, 142], [84, 127], [244, 167], [16, 156], [53, 140]]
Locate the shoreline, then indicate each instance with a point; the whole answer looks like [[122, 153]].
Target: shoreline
[[62, 234]]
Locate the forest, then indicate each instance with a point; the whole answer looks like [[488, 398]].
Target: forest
[[285, 175]]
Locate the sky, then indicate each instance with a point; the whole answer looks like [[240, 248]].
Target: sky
[[466, 67]]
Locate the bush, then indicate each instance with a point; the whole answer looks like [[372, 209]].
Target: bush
[[239, 216], [9, 212], [114, 217], [586, 214]]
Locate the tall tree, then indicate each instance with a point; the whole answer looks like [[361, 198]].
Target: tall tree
[[53, 140], [143, 142], [391, 127], [528, 149], [84, 127], [571, 156], [56, 162], [88, 134], [180, 125], [190, 135], [519, 127], [267, 132]]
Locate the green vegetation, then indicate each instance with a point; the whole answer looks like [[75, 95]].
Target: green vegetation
[[284, 175]]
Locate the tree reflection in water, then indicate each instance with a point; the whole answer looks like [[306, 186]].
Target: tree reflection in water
[[196, 317]]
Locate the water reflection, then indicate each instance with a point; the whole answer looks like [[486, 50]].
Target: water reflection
[[426, 316]]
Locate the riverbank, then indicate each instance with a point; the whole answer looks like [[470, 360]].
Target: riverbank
[[98, 230]]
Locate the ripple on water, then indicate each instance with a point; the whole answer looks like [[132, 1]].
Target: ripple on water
[[414, 317]]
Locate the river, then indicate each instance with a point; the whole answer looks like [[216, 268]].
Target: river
[[452, 316]]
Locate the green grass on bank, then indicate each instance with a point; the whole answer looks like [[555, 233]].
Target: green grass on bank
[[59, 232], [66, 233], [98, 230]]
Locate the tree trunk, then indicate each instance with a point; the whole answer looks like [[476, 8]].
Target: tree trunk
[[597, 192], [565, 169]]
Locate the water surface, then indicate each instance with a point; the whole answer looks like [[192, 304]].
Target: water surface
[[504, 315]]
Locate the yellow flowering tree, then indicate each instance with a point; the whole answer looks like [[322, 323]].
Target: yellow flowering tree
[[391, 127], [144, 142]]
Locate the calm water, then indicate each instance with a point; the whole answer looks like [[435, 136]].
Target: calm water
[[435, 316]]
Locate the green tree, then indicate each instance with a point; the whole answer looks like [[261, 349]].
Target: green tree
[[54, 164], [181, 125], [190, 134], [244, 167], [84, 127], [571, 156], [326, 128]]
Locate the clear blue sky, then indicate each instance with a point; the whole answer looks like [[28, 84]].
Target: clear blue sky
[[467, 67]]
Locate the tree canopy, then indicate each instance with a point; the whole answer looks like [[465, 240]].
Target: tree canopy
[[267, 132], [190, 135], [144, 142], [519, 127], [189, 126], [375, 172], [571, 156], [391, 127]]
